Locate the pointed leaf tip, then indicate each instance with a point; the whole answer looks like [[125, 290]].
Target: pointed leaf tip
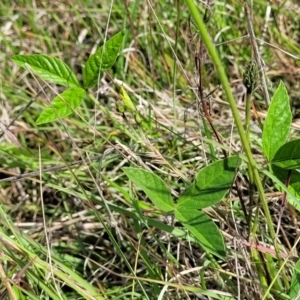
[[102, 60], [62, 105], [48, 68], [153, 186]]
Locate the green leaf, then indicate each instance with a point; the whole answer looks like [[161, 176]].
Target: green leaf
[[103, 59], [293, 189], [204, 230], [288, 155], [153, 186], [48, 68], [278, 122], [211, 184], [62, 105], [295, 284]]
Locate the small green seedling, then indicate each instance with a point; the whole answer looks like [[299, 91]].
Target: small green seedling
[[55, 71]]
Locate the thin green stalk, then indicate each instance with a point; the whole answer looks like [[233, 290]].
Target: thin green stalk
[[247, 117], [225, 84], [250, 82], [250, 171], [259, 267], [175, 63]]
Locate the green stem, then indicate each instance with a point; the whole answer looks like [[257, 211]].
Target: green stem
[[247, 117], [250, 170], [225, 84], [175, 63]]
